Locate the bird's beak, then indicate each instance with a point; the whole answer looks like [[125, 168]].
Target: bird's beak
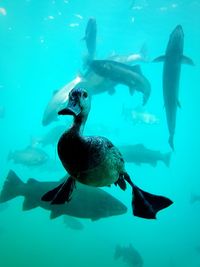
[[73, 108]]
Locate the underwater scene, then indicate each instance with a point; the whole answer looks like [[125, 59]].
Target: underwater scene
[[99, 133]]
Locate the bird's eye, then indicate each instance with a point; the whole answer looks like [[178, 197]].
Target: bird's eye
[[85, 94]]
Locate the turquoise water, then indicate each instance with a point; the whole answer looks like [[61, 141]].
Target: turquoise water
[[41, 51]]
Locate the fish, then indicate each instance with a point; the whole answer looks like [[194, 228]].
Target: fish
[[139, 154], [90, 38], [30, 156], [72, 223], [94, 83], [132, 58], [129, 255], [2, 112], [58, 101], [139, 115], [130, 76], [88, 202], [173, 59], [50, 138]]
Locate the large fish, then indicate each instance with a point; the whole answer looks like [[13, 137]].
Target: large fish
[[30, 156], [140, 154], [87, 202], [171, 75], [129, 255], [94, 83], [58, 101], [124, 74], [90, 38]]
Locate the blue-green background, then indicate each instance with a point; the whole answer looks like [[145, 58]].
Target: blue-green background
[[39, 55]]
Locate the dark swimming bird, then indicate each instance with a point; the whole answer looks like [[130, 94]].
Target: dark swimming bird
[[95, 161], [173, 59]]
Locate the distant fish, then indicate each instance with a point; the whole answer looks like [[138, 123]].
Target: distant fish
[[58, 101], [90, 37], [173, 59], [29, 156], [139, 154], [129, 255], [132, 58], [87, 202], [72, 223], [50, 138], [139, 115], [2, 112]]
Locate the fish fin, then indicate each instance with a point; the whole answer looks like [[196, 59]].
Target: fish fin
[[11, 187], [61, 193], [178, 104], [29, 204], [121, 183], [159, 59], [167, 158], [55, 213], [144, 204], [187, 60], [32, 181], [171, 141]]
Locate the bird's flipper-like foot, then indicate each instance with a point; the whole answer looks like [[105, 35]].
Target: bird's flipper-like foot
[[61, 193]]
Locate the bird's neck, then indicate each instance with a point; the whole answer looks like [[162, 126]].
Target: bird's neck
[[78, 124]]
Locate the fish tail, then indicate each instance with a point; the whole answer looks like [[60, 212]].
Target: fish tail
[[167, 158], [144, 204], [171, 141], [11, 187]]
